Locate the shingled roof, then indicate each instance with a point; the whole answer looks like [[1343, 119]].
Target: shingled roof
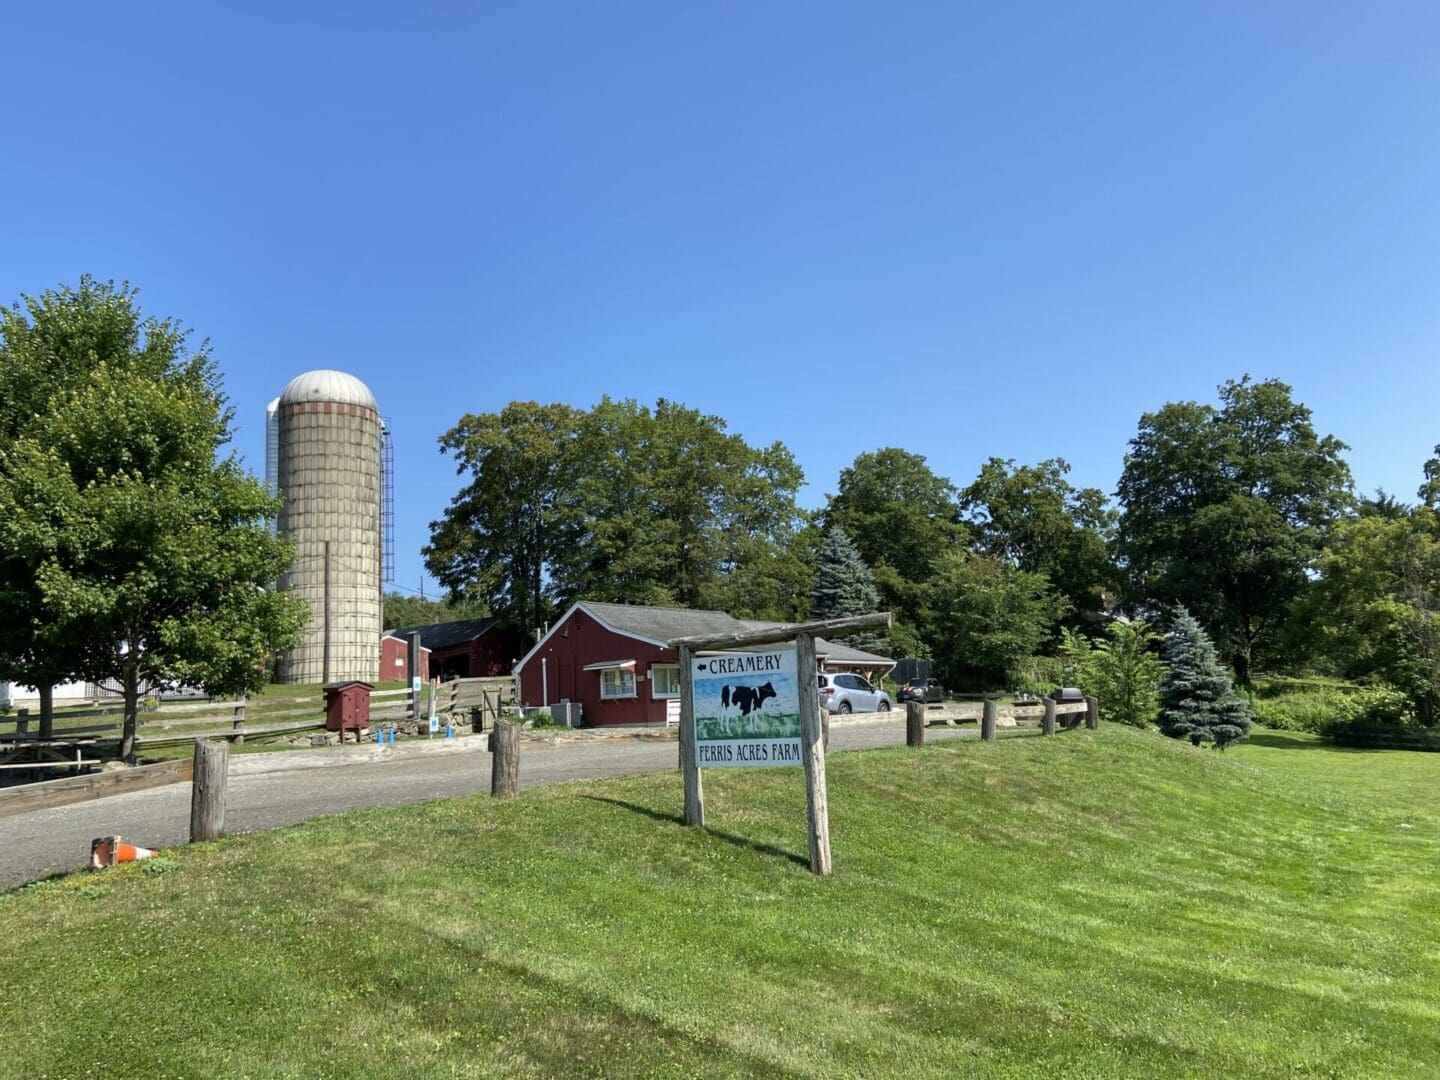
[[662, 623], [444, 634], [665, 624]]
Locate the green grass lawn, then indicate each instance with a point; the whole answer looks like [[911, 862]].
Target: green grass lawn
[[1106, 904]]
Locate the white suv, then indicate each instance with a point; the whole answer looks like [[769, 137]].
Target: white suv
[[842, 692]]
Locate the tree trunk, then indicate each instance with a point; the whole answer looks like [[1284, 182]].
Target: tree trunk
[[131, 681], [47, 710], [1242, 668]]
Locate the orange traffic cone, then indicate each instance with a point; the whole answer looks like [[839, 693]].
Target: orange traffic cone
[[108, 850]]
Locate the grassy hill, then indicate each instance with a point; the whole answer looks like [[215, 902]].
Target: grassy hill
[[1105, 904]]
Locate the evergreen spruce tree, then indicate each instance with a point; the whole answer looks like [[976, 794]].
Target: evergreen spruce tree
[[1198, 701], [844, 586]]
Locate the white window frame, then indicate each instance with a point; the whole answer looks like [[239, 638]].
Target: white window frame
[[605, 675], [655, 691]]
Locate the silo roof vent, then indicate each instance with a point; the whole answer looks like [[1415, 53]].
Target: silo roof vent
[[327, 385]]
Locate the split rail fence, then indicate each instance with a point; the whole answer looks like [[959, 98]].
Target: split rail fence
[[179, 723]]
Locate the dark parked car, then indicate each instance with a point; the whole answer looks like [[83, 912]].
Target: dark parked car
[[927, 690]]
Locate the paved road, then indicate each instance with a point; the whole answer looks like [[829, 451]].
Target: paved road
[[44, 842]]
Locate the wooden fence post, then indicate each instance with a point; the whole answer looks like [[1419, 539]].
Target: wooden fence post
[[22, 721], [812, 744], [237, 722], [207, 790], [987, 719], [1047, 725], [689, 767], [1092, 712], [914, 723], [504, 759]]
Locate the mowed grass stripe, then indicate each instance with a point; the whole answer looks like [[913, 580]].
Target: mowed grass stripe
[[1097, 904]]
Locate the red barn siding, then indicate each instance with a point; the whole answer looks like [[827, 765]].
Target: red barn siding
[[393, 649], [581, 641], [491, 654]]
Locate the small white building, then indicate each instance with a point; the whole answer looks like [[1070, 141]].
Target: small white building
[[16, 696]]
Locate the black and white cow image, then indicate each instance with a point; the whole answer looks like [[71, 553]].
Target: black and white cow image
[[746, 698]]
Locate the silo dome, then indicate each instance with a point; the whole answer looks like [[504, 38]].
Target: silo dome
[[328, 385]]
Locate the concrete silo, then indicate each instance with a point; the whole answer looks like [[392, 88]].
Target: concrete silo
[[327, 456]]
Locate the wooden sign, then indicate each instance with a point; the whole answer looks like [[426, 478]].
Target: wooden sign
[[747, 708], [711, 713]]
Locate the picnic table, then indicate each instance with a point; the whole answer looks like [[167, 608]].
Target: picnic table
[[31, 752]]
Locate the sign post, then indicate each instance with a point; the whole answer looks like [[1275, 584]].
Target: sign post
[[817, 806], [760, 706], [689, 762]]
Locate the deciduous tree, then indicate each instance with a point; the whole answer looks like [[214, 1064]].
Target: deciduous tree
[[149, 550], [898, 512], [622, 503], [1032, 517], [500, 536], [400, 610], [1225, 510], [1374, 613], [982, 617]]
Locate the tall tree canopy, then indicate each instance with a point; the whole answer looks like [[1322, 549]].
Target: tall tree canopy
[[150, 551], [1032, 517], [48, 346], [621, 503], [899, 513], [499, 538], [1226, 510]]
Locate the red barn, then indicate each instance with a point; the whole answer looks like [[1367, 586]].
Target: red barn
[[395, 658], [466, 648], [613, 659]]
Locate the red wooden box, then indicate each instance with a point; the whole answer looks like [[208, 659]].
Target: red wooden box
[[347, 705]]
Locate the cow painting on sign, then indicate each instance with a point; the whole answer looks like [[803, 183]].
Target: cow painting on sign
[[745, 697]]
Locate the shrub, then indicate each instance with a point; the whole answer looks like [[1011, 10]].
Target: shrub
[[1306, 710], [1038, 675], [1123, 671], [1385, 719]]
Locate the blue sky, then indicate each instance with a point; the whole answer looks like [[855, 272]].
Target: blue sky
[[966, 230]]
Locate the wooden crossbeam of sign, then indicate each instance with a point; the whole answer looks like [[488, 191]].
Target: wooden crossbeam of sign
[[811, 729], [783, 632]]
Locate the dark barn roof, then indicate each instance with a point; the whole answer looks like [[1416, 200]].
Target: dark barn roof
[[444, 634]]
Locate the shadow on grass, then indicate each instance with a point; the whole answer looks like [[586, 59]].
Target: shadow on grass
[[729, 838], [1287, 740]]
